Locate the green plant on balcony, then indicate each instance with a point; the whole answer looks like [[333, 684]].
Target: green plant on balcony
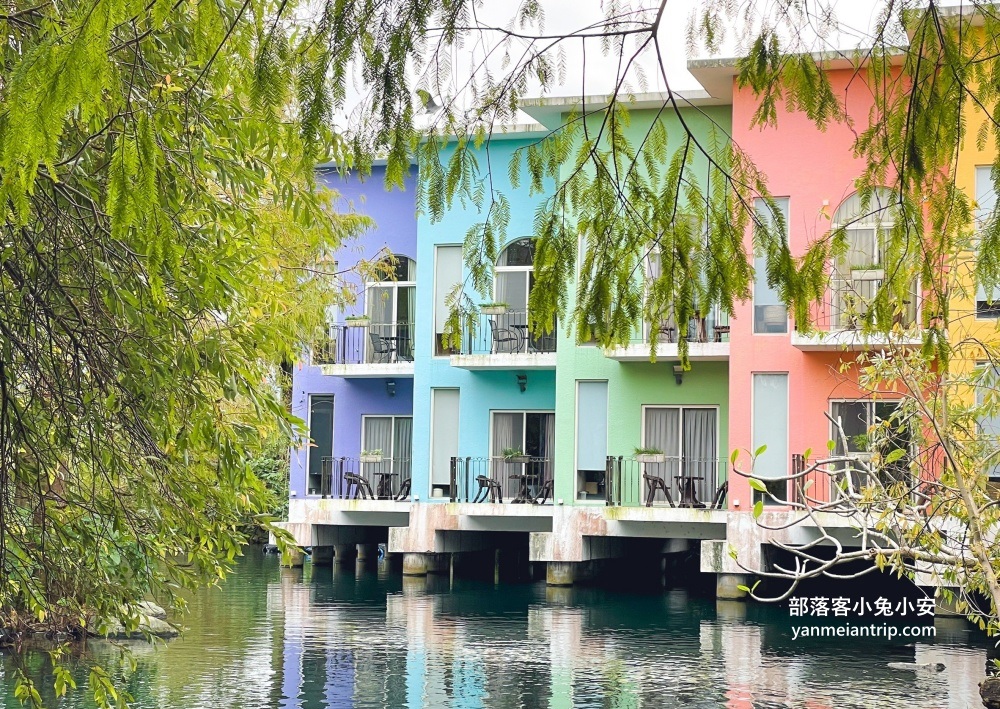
[[371, 456], [649, 455], [514, 455], [493, 308], [357, 320]]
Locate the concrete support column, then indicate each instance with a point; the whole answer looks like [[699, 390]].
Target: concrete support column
[[346, 553], [423, 564], [293, 557], [367, 552], [561, 573], [727, 586], [322, 556]]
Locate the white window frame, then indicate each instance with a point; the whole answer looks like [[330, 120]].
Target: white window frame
[[753, 305], [680, 419], [391, 455], [395, 286], [434, 290], [333, 431], [978, 225], [524, 428]]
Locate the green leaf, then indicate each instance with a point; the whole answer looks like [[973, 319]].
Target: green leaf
[[757, 485], [758, 509], [759, 451]]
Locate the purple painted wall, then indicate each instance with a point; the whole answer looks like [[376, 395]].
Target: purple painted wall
[[395, 228]]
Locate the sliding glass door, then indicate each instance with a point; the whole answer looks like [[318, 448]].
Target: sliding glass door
[[688, 438], [393, 435], [524, 433]]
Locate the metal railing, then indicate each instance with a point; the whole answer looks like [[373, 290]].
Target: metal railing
[[516, 480], [374, 343], [847, 301], [364, 478], [506, 333], [677, 482], [712, 328]]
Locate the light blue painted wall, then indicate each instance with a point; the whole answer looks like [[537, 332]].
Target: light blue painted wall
[[480, 392]]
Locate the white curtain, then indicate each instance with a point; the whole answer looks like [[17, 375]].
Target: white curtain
[[402, 449], [700, 444], [548, 443], [377, 436], [663, 432], [508, 432]]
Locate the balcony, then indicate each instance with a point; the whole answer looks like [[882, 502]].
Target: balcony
[[670, 481], [365, 478], [366, 349], [839, 318], [515, 480], [502, 341], [707, 339]]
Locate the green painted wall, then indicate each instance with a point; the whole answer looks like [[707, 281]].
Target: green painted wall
[[631, 385]]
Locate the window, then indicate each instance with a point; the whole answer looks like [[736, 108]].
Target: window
[[987, 303], [447, 275], [688, 437], [591, 437], [989, 423], [391, 306], [704, 325], [321, 447], [860, 272], [514, 277], [393, 435], [769, 314], [532, 433], [770, 428], [857, 419]]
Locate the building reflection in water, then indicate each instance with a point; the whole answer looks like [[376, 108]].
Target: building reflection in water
[[360, 638]]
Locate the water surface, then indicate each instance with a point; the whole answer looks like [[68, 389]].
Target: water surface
[[366, 637]]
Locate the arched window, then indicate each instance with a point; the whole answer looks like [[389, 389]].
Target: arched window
[[867, 230], [860, 272], [391, 304], [514, 276]]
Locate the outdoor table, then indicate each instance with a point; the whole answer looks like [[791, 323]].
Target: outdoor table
[[689, 498], [523, 493], [522, 331], [384, 487]]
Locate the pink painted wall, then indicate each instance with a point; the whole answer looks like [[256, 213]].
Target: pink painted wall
[[810, 167]]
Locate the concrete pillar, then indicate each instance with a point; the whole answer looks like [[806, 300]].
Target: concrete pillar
[[367, 552], [730, 610], [322, 556], [293, 557], [423, 564], [346, 553], [560, 573], [727, 586]]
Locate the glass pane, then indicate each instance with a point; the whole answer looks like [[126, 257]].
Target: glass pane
[[519, 253], [770, 424], [321, 435], [853, 417], [512, 289]]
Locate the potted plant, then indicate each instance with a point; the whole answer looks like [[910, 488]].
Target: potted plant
[[868, 272], [515, 455], [649, 455], [372, 456], [357, 321], [493, 308]]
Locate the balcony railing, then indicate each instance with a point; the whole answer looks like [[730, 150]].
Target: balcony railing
[[506, 333], [517, 480], [848, 299], [714, 327], [363, 478], [373, 343], [676, 481]]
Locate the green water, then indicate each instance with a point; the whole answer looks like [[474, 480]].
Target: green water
[[365, 637]]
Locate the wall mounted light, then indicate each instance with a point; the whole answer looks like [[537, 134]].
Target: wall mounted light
[[522, 382], [390, 387], [678, 374]]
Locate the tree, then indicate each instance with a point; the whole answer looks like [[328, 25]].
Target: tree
[[158, 206]]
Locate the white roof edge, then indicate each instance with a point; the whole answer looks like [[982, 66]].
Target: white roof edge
[[548, 110]]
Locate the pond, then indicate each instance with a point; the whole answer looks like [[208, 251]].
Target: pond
[[367, 637]]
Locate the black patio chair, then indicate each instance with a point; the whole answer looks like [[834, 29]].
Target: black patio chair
[[361, 487], [654, 483], [504, 339], [382, 348], [404, 490], [488, 488], [719, 500]]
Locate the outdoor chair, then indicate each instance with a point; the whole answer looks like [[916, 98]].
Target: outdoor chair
[[544, 493], [361, 487], [404, 490], [382, 348], [488, 487], [654, 483], [719, 499], [503, 339]]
